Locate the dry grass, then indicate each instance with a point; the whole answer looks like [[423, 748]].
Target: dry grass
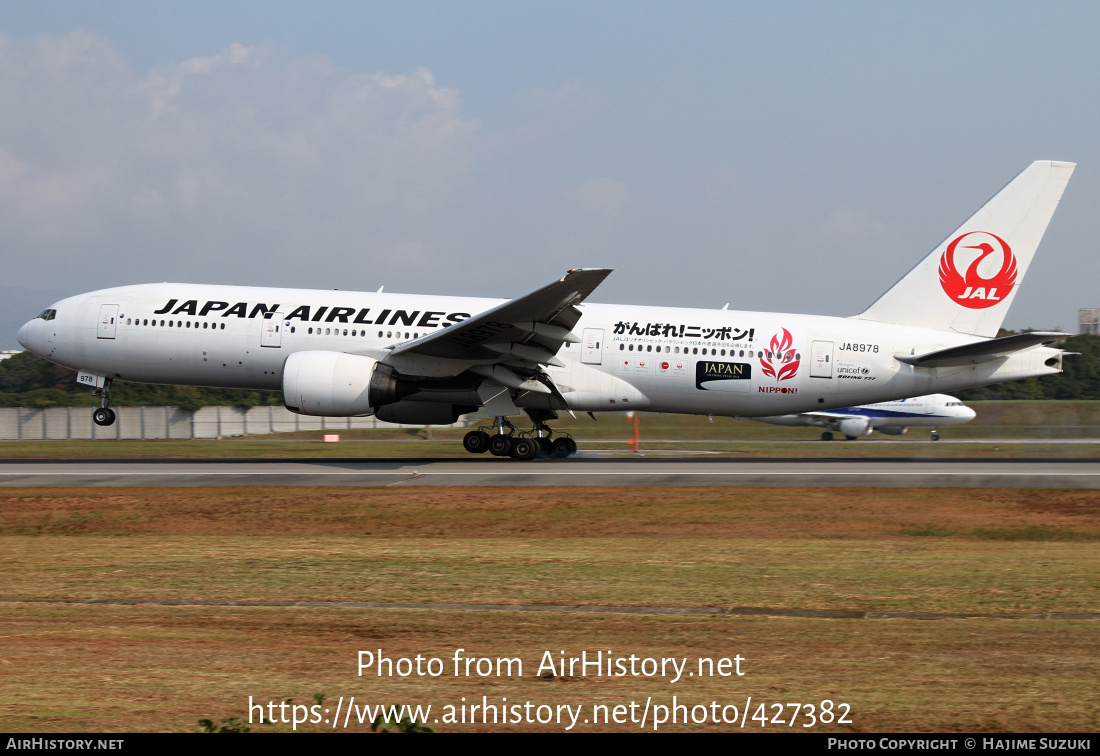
[[98, 667]]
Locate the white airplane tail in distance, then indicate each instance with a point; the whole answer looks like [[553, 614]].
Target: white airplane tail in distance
[[421, 359]]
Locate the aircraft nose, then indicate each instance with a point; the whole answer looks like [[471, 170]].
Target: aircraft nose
[[21, 336], [968, 413]]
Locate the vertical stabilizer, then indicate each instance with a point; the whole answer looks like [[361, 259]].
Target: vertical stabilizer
[[968, 282]]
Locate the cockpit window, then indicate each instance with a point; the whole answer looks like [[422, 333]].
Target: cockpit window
[[48, 314]]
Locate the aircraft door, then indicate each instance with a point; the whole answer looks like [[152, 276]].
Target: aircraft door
[[108, 317], [821, 359], [592, 346], [271, 331]]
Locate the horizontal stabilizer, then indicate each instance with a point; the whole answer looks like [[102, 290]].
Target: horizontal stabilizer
[[981, 351]]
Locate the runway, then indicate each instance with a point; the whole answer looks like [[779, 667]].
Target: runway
[[580, 471]]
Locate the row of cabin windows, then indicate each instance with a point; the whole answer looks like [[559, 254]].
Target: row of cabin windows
[[293, 329], [356, 332], [173, 323], [712, 352]]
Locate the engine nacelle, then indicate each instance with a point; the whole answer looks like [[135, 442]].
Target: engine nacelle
[[892, 430], [422, 413], [331, 384], [854, 427]]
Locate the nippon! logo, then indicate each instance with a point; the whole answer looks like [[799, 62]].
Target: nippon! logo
[[778, 361], [969, 288]]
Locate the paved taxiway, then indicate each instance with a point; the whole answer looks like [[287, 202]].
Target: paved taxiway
[[578, 471]]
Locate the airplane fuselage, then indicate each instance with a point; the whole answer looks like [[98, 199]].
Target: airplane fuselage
[[696, 361]]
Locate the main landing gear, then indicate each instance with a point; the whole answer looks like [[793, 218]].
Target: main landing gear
[[104, 415], [935, 436], [507, 441]]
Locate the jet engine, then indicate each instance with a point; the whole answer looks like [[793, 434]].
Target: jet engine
[[892, 430], [854, 427], [332, 384]]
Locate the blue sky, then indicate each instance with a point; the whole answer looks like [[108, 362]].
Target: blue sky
[[779, 156]]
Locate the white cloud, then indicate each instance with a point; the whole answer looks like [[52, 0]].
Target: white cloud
[[245, 152]]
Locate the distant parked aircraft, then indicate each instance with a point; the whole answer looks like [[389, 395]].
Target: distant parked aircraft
[[891, 418]]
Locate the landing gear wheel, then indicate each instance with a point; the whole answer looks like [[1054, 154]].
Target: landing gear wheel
[[826, 436], [935, 436], [546, 446], [572, 446], [850, 438], [500, 445], [103, 416], [561, 448], [525, 449], [476, 442]]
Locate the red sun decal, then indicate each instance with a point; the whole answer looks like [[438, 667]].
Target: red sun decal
[[781, 352], [969, 288]]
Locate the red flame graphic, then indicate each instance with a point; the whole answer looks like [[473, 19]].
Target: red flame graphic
[[780, 349], [968, 288]]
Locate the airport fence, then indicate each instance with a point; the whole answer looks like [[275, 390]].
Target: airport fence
[[24, 423]]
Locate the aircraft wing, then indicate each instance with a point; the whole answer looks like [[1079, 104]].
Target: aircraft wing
[[522, 333], [981, 351]]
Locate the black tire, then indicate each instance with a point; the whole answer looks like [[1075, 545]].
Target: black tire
[[525, 449], [572, 446], [500, 445], [850, 438], [476, 442], [826, 436], [103, 416], [561, 448], [935, 436]]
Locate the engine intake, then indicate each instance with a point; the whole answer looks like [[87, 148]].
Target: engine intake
[[332, 384], [854, 427]]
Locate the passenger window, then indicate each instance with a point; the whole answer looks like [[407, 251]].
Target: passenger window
[[622, 347], [127, 321], [695, 351], [353, 330], [345, 331], [328, 331]]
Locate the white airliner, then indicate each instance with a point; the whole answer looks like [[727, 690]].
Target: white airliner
[[428, 359], [892, 418]]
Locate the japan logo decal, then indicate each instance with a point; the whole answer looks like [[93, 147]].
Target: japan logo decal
[[969, 288], [778, 361]]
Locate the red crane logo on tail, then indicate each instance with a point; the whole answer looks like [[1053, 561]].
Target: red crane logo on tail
[[969, 288], [781, 351]]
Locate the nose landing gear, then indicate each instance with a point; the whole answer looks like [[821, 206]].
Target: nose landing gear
[[104, 415]]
